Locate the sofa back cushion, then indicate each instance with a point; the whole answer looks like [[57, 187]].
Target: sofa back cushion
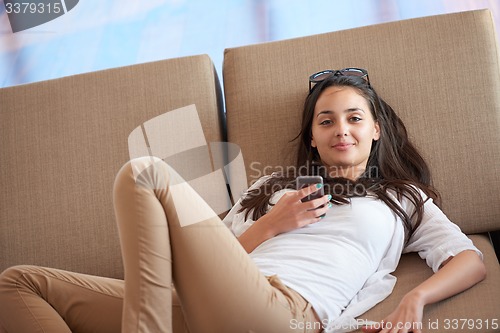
[[63, 142], [440, 73]]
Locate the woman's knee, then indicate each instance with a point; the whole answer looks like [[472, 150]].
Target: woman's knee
[[13, 279], [13, 273], [148, 171]]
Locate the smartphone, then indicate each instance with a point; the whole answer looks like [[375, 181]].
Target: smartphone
[[304, 181]]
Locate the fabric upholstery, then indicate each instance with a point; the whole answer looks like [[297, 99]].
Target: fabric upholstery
[[440, 73], [62, 143]]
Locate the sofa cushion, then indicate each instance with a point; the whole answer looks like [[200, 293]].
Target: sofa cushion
[[63, 142]]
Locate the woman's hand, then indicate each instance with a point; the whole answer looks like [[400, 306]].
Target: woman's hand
[[288, 214], [407, 317]]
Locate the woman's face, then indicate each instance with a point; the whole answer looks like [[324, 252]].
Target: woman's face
[[343, 130]]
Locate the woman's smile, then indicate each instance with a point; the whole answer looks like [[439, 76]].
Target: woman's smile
[[343, 146]]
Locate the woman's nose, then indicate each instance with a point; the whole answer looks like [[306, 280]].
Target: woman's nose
[[341, 129]]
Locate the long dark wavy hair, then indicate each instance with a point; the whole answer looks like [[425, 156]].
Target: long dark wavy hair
[[394, 164]]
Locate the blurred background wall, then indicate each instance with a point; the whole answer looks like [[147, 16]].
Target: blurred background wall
[[100, 34]]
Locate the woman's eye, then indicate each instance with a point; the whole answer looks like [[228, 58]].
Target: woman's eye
[[355, 119], [326, 122]]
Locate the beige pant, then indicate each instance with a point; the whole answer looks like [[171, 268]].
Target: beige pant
[[220, 288]]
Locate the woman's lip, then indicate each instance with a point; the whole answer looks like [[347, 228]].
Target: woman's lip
[[343, 146]]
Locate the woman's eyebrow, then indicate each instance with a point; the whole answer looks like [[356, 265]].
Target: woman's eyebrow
[[354, 110], [324, 112], [345, 111]]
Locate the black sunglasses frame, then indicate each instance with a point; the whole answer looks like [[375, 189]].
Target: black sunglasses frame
[[350, 71]]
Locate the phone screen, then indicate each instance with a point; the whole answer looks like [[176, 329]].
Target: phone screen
[[304, 181]]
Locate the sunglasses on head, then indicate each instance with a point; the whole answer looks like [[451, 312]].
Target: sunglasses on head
[[321, 76]]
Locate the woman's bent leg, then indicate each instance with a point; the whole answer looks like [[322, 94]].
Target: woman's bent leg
[[220, 288], [36, 299]]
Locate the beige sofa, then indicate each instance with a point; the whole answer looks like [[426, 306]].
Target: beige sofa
[[63, 140]]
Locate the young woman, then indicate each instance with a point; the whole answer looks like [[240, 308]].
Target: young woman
[[281, 264]]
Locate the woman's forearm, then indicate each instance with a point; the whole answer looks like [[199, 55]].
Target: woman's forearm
[[458, 274], [258, 233]]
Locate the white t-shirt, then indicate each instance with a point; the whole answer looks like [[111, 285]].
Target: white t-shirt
[[342, 264]]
